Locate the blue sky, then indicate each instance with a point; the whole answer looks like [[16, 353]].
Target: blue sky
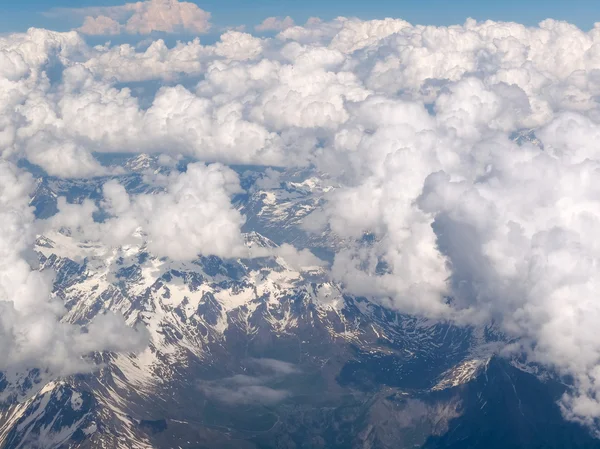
[[18, 15]]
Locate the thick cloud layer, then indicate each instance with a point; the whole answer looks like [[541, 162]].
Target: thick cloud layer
[[466, 158]]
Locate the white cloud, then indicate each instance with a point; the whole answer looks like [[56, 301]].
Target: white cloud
[[297, 260], [252, 389], [124, 64], [144, 17], [275, 24], [192, 216], [62, 157], [167, 15], [238, 46], [101, 25], [31, 333], [185, 59]]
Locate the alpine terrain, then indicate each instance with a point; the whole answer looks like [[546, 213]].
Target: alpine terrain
[[264, 352]]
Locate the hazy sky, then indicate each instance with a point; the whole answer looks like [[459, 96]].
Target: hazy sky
[[19, 15]]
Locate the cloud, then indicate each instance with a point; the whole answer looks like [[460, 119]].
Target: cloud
[[31, 332], [297, 259], [244, 390], [277, 367], [464, 158], [275, 24], [101, 25], [124, 64], [168, 16], [192, 216], [238, 46], [144, 17], [62, 157], [252, 389]]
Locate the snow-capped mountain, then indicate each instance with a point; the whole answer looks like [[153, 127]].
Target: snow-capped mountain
[[257, 353]]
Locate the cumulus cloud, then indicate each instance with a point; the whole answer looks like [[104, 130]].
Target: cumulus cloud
[[31, 333], [144, 17], [519, 241], [62, 157], [238, 46], [192, 216], [123, 63], [168, 16], [275, 24], [101, 25]]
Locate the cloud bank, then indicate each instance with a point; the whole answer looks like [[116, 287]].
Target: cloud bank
[[466, 157]]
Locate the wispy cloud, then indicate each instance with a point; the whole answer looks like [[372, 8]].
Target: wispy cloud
[[249, 390], [252, 389], [276, 367]]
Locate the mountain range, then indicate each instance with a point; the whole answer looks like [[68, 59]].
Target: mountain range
[[259, 353]]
